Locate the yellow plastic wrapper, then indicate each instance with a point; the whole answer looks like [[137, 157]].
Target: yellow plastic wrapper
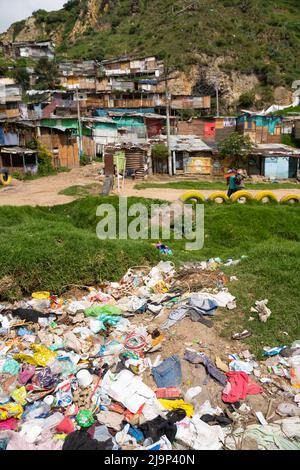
[[59, 437], [10, 410], [41, 357], [19, 395], [175, 404], [160, 288], [40, 295]]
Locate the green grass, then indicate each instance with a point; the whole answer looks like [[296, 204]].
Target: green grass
[[203, 185], [29, 177], [53, 248], [82, 191]]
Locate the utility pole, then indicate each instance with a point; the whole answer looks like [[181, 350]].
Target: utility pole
[[217, 97], [170, 162], [79, 124]]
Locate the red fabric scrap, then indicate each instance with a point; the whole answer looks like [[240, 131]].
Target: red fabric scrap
[[171, 392], [9, 424], [238, 387]]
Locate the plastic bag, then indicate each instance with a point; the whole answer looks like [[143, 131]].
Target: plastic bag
[[11, 410], [11, 367], [102, 310], [41, 357], [19, 395]]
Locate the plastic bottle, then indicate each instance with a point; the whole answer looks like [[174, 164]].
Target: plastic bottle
[[52, 421], [41, 409]]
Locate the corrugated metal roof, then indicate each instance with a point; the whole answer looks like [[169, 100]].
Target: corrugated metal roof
[[276, 149], [184, 143], [17, 150]]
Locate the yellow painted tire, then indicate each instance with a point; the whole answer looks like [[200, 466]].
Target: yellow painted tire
[[290, 198], [188, 196], [218, 195], [239, 194], [5, 179], [266, 194]]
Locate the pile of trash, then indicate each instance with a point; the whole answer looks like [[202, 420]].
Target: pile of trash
[[74, 372]]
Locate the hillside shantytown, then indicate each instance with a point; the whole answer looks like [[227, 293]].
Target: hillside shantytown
[[132, 104], [150, 229]]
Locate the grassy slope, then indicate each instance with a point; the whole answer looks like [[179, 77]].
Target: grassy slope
[[214, 185], [51, 248]]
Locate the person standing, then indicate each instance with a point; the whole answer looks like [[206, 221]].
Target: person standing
[[231, 181]]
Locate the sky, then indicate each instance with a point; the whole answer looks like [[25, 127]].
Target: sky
[[16, 10]]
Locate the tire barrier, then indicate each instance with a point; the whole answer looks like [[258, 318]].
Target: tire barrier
[[266, 195], [290, 199], [218, 195], [5, 178], [241, 194], [199, 198], [189, 196]]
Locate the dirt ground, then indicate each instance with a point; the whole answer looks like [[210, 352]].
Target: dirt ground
[[187, 334], [45, 191]]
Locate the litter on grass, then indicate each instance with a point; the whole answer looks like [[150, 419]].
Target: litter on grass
[[79, 373]]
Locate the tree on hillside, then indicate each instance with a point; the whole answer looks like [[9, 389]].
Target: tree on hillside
[[236, 148], [21, 75], [47, 74]]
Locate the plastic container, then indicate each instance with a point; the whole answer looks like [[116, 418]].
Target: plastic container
[[52, 421]]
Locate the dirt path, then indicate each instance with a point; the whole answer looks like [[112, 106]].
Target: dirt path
[[174, 194], [45, 191]]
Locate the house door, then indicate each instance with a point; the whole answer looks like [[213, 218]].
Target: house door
[[179, 161], [277, 167], [293, 167]]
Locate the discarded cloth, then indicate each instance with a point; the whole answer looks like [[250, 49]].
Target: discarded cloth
[[280, 435], [168, 373], [17, 442], [80, 440], [212, 420], [198, 435], [175, 316], [178, 404], [199, 317], [203, 304], [102, 434], [238, 387], [157, 428], [200, 358], [26, 314]]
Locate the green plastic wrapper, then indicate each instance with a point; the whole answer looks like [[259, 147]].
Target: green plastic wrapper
[[85, 418], [102, 310]]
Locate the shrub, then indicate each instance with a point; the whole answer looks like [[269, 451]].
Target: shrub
[[236, 148], [160, 152], [45, 167], [246, 99]]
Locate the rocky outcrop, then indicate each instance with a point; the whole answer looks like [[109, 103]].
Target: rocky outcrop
[[206, 72]]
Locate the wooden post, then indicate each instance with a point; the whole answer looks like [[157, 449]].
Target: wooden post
[[174, 162], [24, 163]]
